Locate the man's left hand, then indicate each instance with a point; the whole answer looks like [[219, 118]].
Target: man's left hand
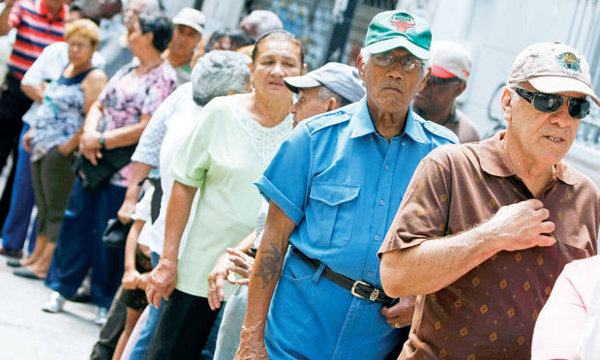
[[400, 315]]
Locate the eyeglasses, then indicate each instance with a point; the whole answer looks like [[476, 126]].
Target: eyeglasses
[[409, 63], [549, 103], [79, 45], [434, 80]]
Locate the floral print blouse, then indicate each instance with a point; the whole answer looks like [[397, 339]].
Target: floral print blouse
[[127, 96]]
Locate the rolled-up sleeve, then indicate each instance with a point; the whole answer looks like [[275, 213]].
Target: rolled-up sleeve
[[15, 15], [286, 180]]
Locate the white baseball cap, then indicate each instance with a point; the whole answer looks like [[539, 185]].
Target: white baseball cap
[[190, 17], [450, 59]]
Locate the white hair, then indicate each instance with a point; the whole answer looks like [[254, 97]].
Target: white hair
[[366, 55], [219, 72], [264, 21]]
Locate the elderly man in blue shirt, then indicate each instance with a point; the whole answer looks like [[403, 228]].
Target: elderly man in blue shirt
[[334, 188]]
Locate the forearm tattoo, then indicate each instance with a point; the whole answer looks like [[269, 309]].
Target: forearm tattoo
[[270, 265]]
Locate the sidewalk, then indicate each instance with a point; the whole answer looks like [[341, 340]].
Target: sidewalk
[[26, 332]]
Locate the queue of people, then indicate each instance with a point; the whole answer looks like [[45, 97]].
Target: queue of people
[[271, 212]]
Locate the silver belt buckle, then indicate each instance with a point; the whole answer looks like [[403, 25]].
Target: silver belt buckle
[[353, 290]]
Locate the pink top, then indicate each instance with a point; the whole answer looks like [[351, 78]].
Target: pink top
[[560, 325]]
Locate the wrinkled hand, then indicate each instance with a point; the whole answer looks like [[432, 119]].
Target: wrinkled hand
[[521, 226], [27, 140], [241, 264], [130, 279], [400, 314], [89, 146], [163, 279], [252, 345], [126, 211], [143, 281], [216, 279]]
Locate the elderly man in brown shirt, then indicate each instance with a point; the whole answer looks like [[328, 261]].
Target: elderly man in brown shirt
[[484, 229]]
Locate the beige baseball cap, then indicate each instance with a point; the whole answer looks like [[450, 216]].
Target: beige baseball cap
[[552, 68], [450, 59]]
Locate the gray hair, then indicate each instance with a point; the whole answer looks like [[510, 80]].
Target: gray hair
[[324, 93], [262, 21], [366, 55], [219, 72], [150, 6]]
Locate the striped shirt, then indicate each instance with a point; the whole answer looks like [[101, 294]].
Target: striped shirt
[[35, 30]]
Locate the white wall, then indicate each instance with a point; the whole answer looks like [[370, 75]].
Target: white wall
[[222, 14], [495, 31]]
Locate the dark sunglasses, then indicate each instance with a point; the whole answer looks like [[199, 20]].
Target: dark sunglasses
[[434, 80], [548, 103]]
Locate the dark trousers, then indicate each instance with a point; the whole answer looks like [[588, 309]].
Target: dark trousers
[[15, 228], [183, 327], [52, 180], [13, 105], [80, 246], [111, 331]]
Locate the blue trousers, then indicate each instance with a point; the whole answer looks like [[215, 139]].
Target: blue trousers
[[79, 246], [22, 201]]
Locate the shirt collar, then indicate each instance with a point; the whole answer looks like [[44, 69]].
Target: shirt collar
[[361, 120], [362, 124], [42, 9], [495, 162]]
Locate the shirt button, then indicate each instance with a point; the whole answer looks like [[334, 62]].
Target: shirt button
[[381, 202], [403, 142], [369, 274], [386, 167], [376, 237]]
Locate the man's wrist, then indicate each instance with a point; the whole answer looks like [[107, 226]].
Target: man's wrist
[[167, 261]]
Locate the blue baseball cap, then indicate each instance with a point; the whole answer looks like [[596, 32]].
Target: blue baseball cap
[[339, 78]]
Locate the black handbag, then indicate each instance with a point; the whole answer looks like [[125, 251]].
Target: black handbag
[[96, 178], [115, 234]]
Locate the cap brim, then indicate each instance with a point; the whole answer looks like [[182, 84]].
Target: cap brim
[[185, 22], [296, 83], [441, 73], [557, 84], [399, 42]]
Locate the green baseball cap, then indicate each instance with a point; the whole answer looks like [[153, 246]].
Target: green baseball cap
[[394, 29]]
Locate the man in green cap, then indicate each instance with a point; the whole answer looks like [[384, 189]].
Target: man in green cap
[[334, 187]]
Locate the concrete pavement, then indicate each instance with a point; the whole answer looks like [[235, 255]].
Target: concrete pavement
[[26, 332]]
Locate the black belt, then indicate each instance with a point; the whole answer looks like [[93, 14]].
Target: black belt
[[358, 288]]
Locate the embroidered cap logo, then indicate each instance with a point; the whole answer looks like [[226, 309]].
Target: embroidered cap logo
[[402, 22], [569, 61]]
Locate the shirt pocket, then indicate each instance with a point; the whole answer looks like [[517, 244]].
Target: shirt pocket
[[330, 214]]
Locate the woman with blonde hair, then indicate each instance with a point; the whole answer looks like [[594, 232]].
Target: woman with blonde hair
[[54, 136]]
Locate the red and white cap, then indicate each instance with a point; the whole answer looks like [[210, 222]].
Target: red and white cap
[[449, 59]]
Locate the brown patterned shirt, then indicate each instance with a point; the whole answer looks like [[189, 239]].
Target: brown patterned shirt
[[490, 312]]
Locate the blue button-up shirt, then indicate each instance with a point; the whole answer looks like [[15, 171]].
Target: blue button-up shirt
[[341, 183]]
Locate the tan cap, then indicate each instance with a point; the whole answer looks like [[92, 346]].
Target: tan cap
[[449, 59], [553, 68]]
